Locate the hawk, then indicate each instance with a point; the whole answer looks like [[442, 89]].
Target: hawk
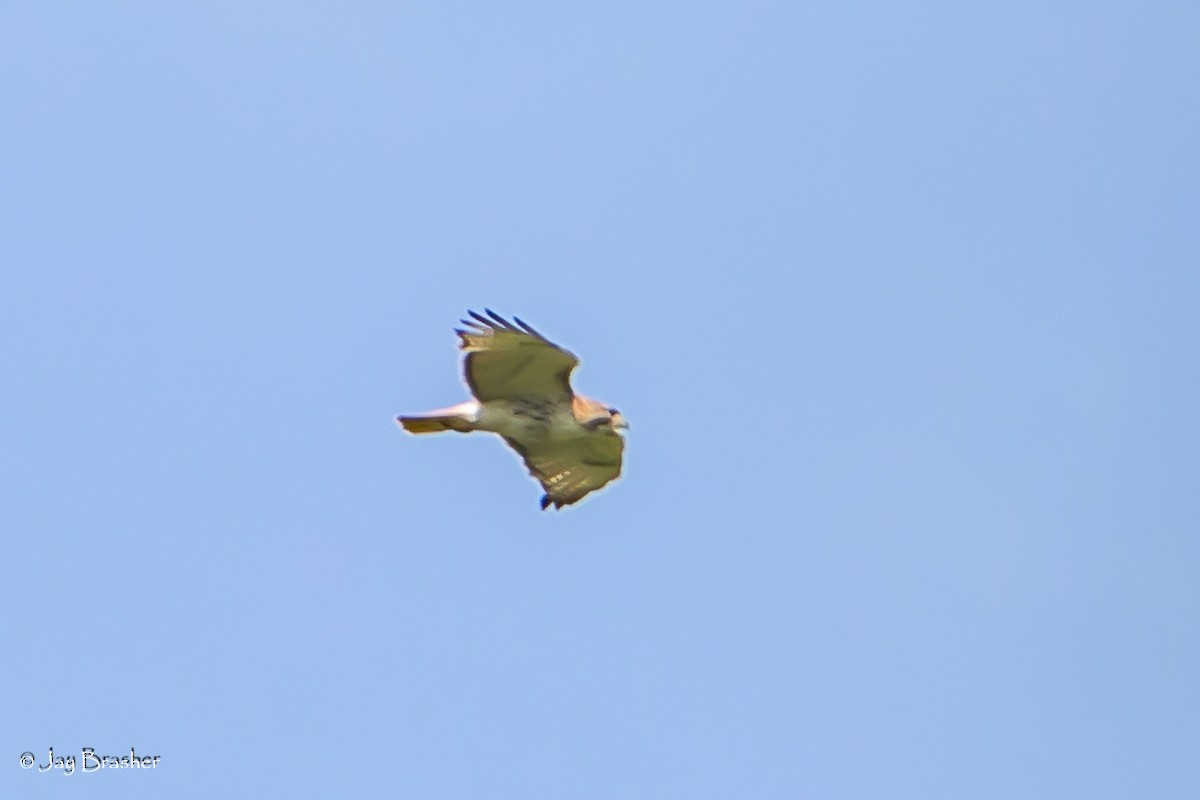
[[522, 386]]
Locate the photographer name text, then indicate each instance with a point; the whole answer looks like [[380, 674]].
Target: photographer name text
[[89, 761]]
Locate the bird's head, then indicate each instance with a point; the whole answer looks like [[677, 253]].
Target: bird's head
[[593, 415]]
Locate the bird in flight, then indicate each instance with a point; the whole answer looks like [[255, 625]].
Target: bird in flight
[[521, 382]]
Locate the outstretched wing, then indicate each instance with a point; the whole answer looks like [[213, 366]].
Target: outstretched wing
[[570, 469], [507, 360]]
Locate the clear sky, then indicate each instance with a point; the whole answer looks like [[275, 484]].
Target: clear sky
[[900, 300]]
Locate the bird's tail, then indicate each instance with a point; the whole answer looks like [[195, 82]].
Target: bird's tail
[[459, 418]]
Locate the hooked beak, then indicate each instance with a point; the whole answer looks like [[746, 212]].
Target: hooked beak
[[619, 421]]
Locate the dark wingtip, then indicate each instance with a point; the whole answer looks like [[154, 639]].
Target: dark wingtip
[[529, 329], [501, 321], [494, 322], [475, 327], [545, 501]]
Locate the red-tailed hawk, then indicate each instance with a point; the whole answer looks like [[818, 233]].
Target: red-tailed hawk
[[522, 386]]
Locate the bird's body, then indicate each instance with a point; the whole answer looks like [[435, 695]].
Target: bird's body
[[521, 384]]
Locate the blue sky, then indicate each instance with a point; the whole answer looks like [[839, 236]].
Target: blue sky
[[900, 301]]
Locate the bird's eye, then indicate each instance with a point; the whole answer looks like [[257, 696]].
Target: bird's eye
[[613, 411]]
